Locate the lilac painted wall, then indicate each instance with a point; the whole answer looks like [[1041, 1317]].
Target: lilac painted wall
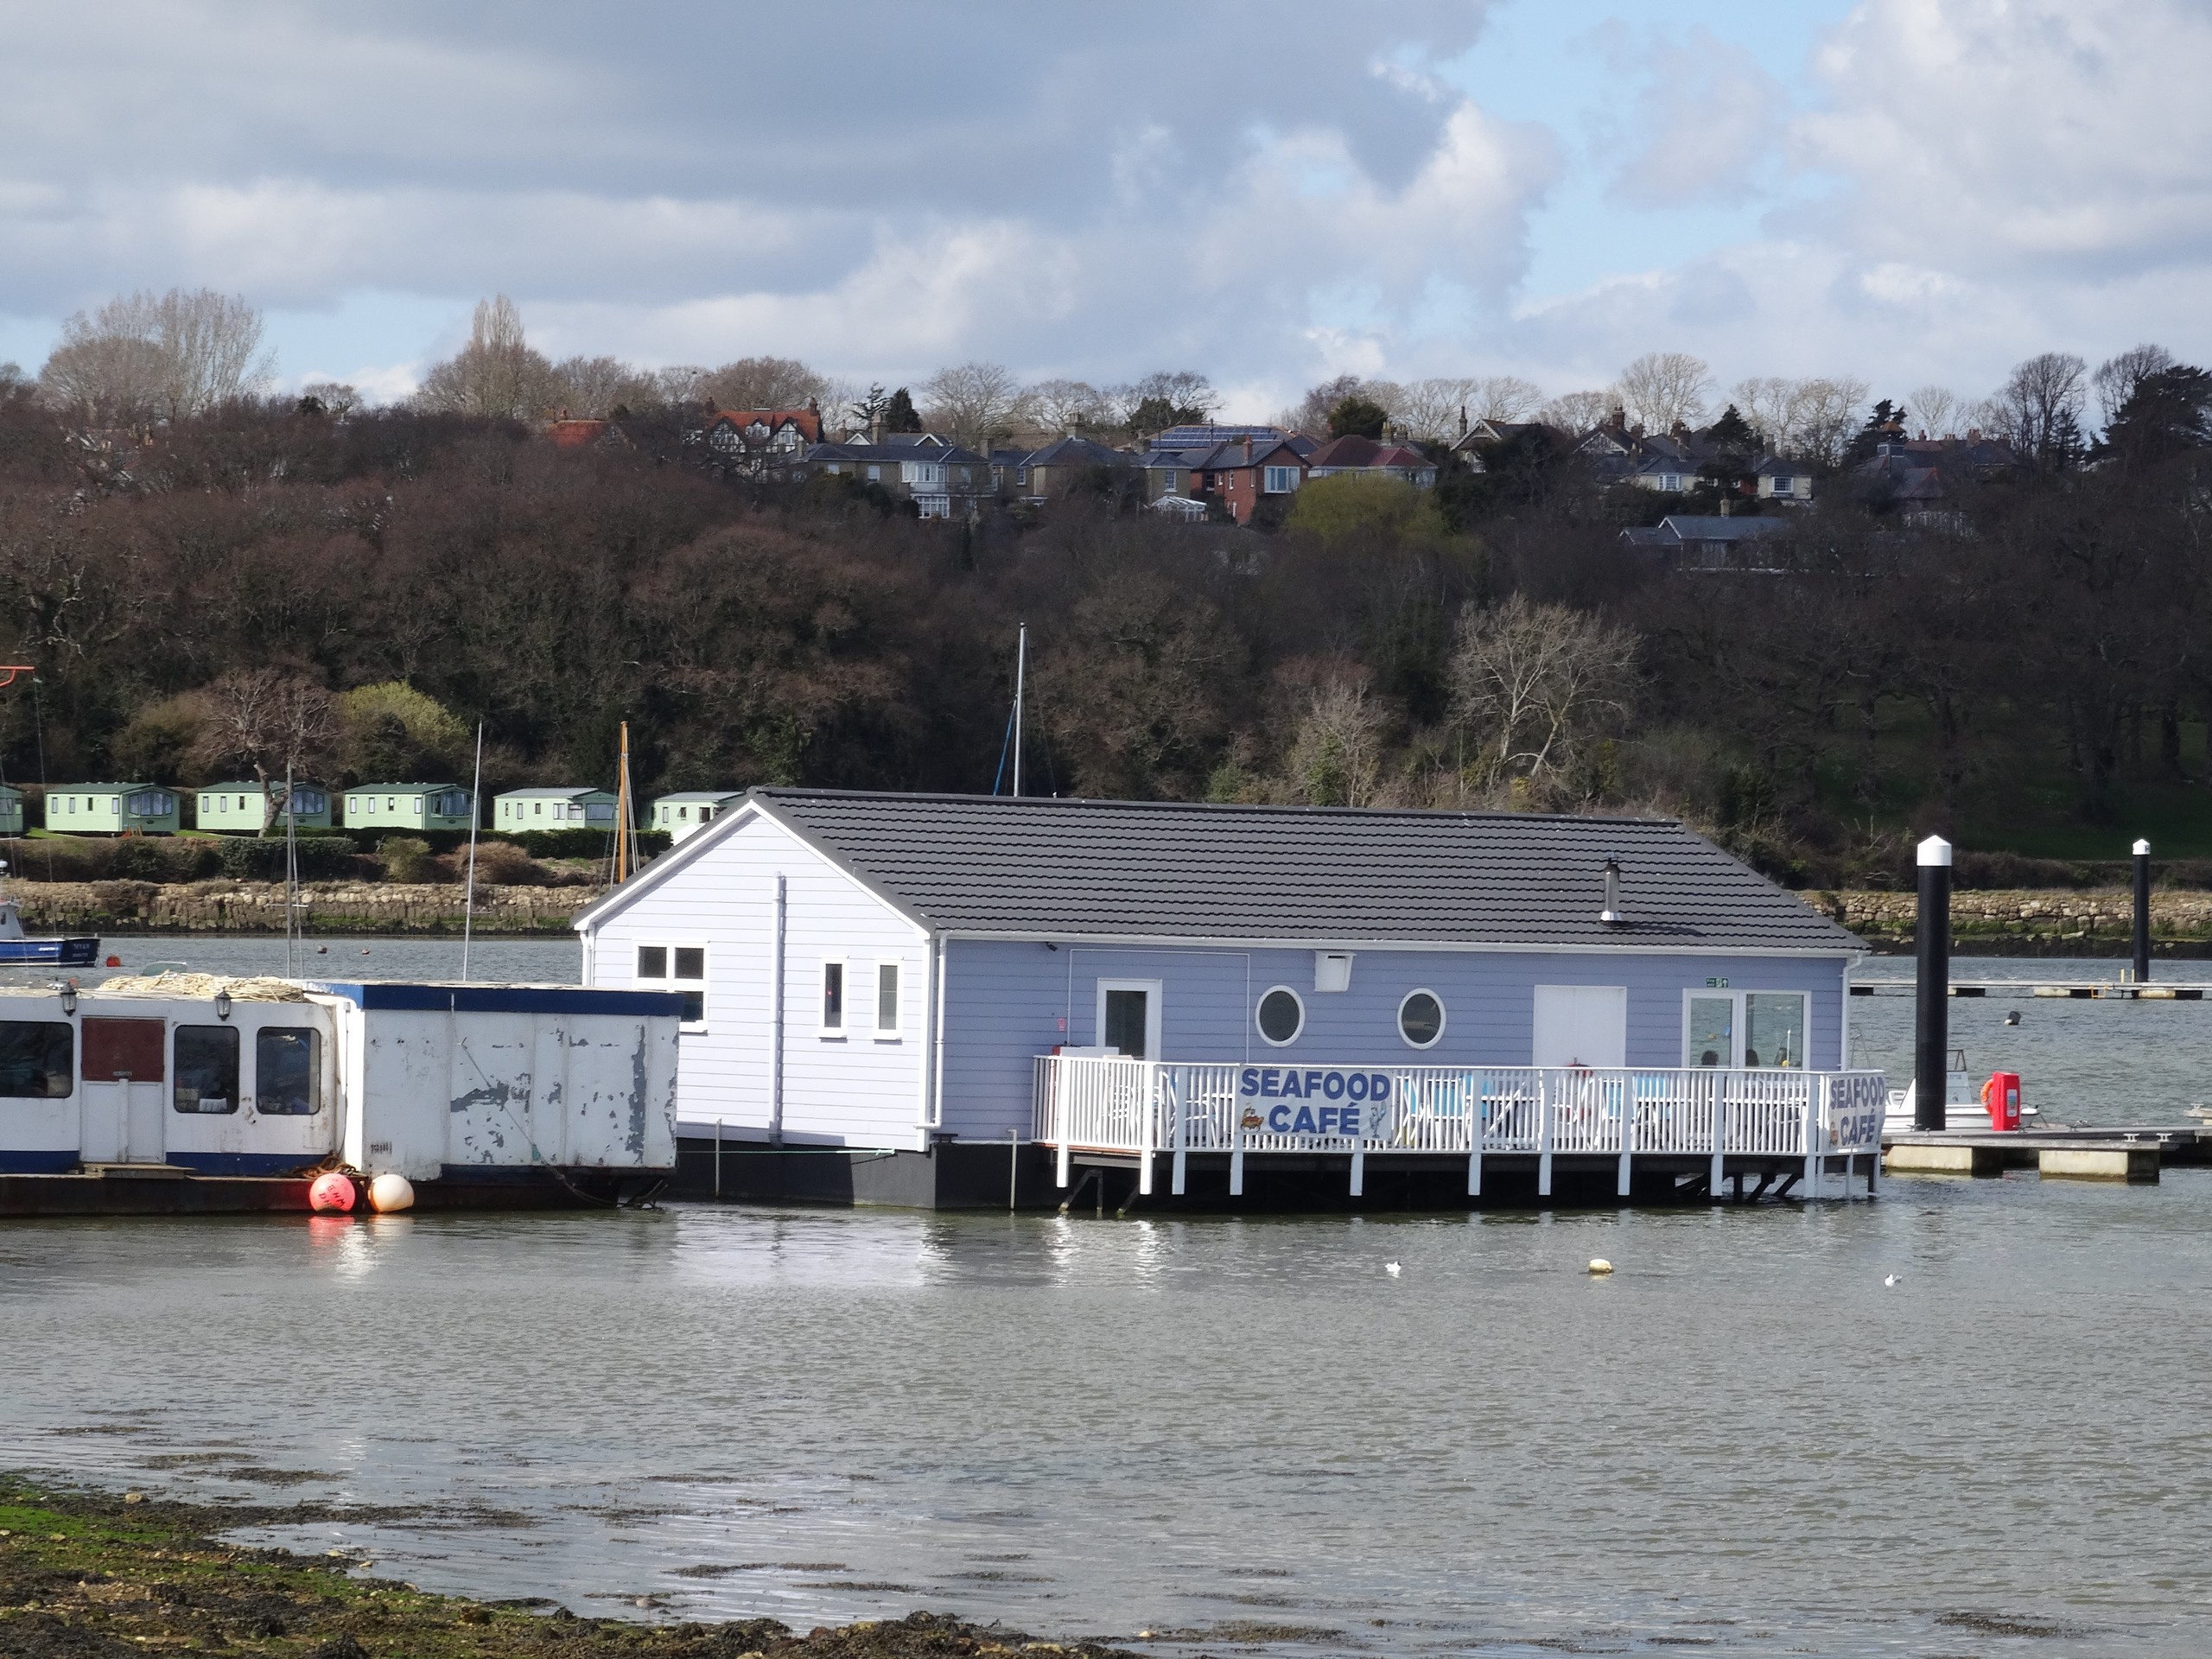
[[1008, 1002]]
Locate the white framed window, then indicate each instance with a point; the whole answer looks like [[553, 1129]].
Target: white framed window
[[1755, 1030], [679, 968], [1785, 485], [1420, 1019], [887, 1001], [831, 1008], [1281, 1016], [1278, 480]]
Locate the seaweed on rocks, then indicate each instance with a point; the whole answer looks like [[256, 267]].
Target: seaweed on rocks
[[92, 1576]]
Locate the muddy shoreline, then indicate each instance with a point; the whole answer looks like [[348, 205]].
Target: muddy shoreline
[[97, 1576]]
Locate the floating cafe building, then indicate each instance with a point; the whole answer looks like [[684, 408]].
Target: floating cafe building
[[958, 1001]]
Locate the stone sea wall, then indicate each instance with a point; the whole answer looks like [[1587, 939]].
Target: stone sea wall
[[2098, 921], [2053, 923], [223, 906]]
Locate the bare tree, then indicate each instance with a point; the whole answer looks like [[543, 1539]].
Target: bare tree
[[177, 354], [1166, 397], [280, 724], [592, 388], [333, 398], [1770, 403], [1071, 406], [679, 383], [498, 374], [1506, 397], [1932, 408], [1577, 412], [973, 401], [1824, 416], [1662, 390], [1336, 760], [1311, 414], [2039, 406], [1531, 684], [2118, 378], [764, 382]]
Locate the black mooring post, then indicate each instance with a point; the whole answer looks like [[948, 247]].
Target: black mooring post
[[2142, 912], [1931, 1030]]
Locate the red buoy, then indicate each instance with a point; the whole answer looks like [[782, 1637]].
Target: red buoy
[[333, 1193], [115, 961]]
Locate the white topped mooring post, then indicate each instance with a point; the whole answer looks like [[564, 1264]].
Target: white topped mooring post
[[2142, 912], [1931, 1024]]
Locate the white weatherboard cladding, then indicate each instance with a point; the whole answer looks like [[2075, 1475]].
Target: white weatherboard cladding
[[859, 1090], [1009, 1001], [507, 1090]]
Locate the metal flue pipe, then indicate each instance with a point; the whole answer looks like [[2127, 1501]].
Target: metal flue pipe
[[1931, 1030]]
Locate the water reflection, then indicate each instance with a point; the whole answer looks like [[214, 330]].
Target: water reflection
[[1202, 1425]]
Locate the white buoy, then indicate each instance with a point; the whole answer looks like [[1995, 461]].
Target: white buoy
[[389, 1192], [1598, 1265]]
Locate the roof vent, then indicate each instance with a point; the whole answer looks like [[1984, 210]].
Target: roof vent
[[1612, 913]]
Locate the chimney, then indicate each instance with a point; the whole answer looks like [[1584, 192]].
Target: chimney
[[1611, 913]]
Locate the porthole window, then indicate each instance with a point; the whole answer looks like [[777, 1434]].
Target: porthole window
[[1282, 1016], [1420, 1019]]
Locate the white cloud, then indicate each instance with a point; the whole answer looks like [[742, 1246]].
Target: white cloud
[[1704, 124]]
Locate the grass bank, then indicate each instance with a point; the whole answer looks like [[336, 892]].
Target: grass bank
[[85, 1575]]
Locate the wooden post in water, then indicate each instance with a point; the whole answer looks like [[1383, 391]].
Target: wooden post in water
[[1931, 1034], [2142, 912]]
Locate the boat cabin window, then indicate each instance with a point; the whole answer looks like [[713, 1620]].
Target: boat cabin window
[[206, 1069], [286, 1073], [38, 1058]]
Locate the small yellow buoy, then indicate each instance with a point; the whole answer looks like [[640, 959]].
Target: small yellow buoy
[[1599, 1265], [389, 1192]]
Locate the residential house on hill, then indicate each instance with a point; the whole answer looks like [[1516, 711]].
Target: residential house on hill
[[940, 478], [758, 441], [1375, 459], [1703, 542], [1485, 437], [1054, 469]]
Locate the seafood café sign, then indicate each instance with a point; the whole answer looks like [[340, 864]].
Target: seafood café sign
[[1324, 1100]]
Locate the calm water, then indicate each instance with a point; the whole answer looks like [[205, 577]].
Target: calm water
[[1743, 1440], [1098, 1427]]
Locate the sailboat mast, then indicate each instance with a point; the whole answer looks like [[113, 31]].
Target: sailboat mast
[[468, 890], [1020, 677], [622, 848]]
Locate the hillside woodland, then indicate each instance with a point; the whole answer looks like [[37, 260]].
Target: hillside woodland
[[220, 594]]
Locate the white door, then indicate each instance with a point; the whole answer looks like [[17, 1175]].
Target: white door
[[146, 1123], [102, 1129], [1581, 1025]]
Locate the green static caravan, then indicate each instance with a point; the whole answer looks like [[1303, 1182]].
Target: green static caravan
[[243, 809], [11, 811], [691, 810], [520, 811], [113, 810], [408, 806]]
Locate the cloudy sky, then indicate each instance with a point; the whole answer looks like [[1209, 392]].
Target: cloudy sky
[[1903, 189]]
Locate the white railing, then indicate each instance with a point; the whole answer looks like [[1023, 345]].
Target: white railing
[[1108, 1104]]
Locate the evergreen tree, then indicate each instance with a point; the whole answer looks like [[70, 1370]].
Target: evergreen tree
[[900, 414]]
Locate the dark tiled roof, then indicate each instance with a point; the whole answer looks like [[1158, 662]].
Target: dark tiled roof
[[1145, 869], [1080, 452]]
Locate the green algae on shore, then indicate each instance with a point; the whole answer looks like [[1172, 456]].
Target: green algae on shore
[[89, 1575]]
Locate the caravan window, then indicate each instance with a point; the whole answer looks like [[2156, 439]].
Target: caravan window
[[286, 1073], [206, 1069], [38, 1059]]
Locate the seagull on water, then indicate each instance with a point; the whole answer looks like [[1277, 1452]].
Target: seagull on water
[[1889, 1281], [1391, 1267]]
